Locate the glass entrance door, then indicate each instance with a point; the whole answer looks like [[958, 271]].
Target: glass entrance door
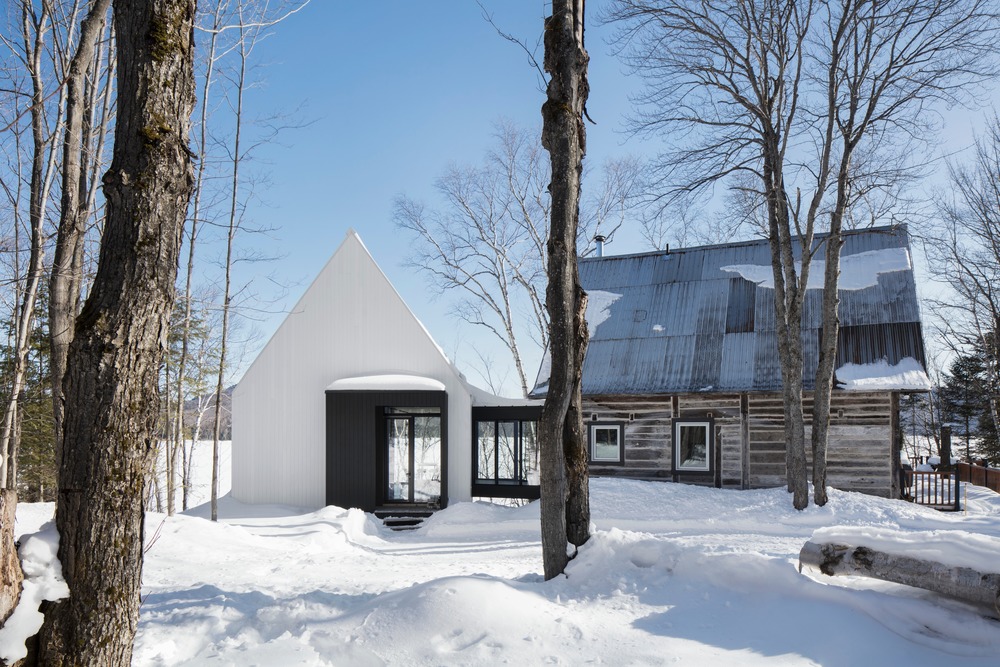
[[413, 455], [399, 457]]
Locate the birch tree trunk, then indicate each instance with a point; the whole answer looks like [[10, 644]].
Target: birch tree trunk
[[964, 583], [111, 383], [202, 150], [244, 45], [563, 470]]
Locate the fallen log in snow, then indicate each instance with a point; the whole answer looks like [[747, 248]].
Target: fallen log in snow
[[964, 583]]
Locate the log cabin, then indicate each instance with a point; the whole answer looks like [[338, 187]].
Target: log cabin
[[682, 378]]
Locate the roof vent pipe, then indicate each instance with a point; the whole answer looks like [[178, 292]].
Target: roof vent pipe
[[599, 240]]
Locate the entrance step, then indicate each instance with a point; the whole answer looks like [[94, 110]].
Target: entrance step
[[403, 518]]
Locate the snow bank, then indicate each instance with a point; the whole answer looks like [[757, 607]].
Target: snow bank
[[857, 271], [880, 375], [42, 581], [672, 572]]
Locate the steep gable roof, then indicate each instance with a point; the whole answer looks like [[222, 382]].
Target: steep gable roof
[[702, 319]]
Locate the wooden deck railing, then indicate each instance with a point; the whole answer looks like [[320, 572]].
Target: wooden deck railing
[[939, 490], [979, 475]]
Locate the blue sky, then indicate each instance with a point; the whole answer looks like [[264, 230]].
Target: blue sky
[[395, 92]]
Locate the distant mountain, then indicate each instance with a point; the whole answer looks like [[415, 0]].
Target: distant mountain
[[205, 406]]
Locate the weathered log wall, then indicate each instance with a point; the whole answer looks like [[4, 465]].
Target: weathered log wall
[[749, 448]]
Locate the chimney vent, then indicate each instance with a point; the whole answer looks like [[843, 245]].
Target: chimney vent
[[599, 240]]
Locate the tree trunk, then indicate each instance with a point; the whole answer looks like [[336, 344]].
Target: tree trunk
[[10, 566], [227, 290], [981, 588], [575, 438], [825, 369], [195, 436], [67, 263], [168, 444], [111, 387], [788, 288], [560, 428]]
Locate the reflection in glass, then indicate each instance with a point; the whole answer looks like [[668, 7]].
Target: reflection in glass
[[692, 446], [505, 450], [529, 452], [605, 441], [486, 439], [399, 459], [426, 458], [413, 455]]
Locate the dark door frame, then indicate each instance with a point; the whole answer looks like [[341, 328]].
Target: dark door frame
[[355, 433]]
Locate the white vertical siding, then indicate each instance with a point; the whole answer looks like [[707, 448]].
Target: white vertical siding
[[350, 322]]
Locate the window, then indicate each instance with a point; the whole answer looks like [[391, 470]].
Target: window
[[692, 445], [607, 444], [412, 455], [507, 451]]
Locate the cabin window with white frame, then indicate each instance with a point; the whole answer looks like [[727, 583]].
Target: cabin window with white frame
[[607, 444], [692, 445]]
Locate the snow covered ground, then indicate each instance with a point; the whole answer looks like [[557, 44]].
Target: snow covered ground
[[673, 574]]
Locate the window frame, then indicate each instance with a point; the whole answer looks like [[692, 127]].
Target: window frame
[[521, 485], [619, 428], [516, 454], [709, 425]]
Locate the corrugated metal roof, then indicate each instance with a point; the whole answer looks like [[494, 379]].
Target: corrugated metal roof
[[682, 324]]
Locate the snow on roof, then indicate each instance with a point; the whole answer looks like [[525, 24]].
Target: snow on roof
[[598, 310], [484, 398], [880, 375], [857, 271], [390, 382]]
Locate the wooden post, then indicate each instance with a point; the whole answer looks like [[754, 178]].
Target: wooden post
[[744, 441], [945, 448]]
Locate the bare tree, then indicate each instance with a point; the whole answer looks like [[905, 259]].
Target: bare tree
[[565, 512], [727, 77], [247, 40], [111, 376], [811, 98], [213, 27], [66, 278], [41, 35], [227, 26], [251, 22], [35, 26], [488, 241], [893, 60], [963, 252]]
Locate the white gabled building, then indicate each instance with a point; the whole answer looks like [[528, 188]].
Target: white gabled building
[[352, 402]]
